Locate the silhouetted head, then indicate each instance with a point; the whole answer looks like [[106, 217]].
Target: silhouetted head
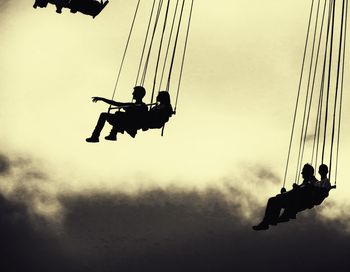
[[308, 171], [138, 93], [163, 97], [323, 170]]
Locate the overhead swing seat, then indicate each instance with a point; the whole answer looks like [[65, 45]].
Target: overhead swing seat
[[319, 195], [156, 118], [152, 119]]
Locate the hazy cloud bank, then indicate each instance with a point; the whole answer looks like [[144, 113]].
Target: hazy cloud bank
[[158, 230], [166, 231]]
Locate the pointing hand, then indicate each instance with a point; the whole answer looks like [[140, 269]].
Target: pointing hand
[[95, 99]]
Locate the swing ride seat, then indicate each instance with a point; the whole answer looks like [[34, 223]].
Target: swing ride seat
[[150, 122], [127, 122], [147, 122], [317, 199]]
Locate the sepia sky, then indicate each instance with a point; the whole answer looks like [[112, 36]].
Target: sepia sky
[[231, 129]]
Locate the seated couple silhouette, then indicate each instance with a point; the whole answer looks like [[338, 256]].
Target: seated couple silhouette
[[309, 193], [132, 116]]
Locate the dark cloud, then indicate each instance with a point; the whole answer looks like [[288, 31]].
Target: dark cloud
[[4, 165], [4, 4], [264, 173], [26, 244], [162, 230], [24, 174]]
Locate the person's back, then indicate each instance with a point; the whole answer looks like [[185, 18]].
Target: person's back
[[137, 108], [304, 192], [324, 184], [160, 114], [135, 115], [321, 189]]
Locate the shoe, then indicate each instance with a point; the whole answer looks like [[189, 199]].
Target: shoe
[[261, 226], [92, 140], [111, 137]]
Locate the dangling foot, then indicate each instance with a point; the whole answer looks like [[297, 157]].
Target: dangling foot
[[92, 139], [111, 137], [262, 226]]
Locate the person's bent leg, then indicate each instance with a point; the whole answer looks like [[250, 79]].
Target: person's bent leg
[[289, 206], [99, 126], [117, 121], [113, 134], [268, 217]]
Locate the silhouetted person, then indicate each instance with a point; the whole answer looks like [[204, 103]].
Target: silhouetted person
[[160, 113], [288, 200], [88, 7], [321, 190], [129, 120]]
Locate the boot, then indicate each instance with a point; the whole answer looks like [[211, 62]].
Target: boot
[[92, 139], [262, 226], [111, 137]]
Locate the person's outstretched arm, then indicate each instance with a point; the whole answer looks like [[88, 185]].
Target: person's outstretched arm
[[110, 102]]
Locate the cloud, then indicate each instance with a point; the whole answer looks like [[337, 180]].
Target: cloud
[[161, 230], [3, 5], [24, 181], [155, 229], [4, 165], [26, 242]]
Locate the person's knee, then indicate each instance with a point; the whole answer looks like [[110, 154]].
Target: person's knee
[[104, 115]]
